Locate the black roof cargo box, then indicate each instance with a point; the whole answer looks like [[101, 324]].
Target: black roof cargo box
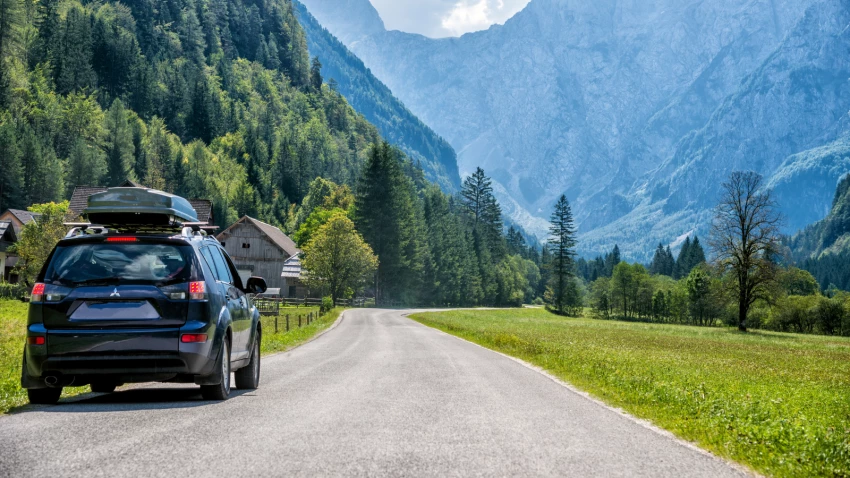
[[138, 206]]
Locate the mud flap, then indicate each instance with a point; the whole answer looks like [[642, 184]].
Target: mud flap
[[27, 382]]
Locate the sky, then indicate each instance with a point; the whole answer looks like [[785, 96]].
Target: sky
[[445, 18]]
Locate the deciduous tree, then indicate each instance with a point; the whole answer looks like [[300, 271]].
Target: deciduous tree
[[337, 259], [745, 238]]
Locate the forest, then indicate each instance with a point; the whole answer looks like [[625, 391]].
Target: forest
[[219, 99]]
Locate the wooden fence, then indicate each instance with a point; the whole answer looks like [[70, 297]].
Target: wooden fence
[[270, 306]]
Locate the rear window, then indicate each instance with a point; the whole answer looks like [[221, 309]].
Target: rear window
[[120, 263]]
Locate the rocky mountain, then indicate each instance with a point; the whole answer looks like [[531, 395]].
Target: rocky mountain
[[374, 100], [823, 248], [637, 110]]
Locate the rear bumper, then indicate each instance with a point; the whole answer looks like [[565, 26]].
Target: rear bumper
[[78, 357]]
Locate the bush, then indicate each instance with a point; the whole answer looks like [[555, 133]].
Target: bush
[[829, 316], [794, 314], [13, 291], [327, 304]]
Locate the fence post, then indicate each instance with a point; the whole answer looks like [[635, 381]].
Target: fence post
[[275, 324], [287, 322], [299, 321]]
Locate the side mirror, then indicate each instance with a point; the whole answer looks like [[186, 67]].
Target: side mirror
[[256, 285]]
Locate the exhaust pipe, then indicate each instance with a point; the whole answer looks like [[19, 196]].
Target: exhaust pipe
[[51, 380]]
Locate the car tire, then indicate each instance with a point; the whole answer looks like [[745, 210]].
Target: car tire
[[44, 396], [103, 387], [248, 377], [221, 390]]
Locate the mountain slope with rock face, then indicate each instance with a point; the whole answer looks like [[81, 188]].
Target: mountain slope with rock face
[[375, 101], [636, 110]]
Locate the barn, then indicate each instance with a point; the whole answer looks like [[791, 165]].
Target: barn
[[259, 249]]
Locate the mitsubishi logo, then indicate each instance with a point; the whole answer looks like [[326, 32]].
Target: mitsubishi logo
[[115, 293]]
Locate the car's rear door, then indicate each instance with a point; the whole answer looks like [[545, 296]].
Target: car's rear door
[[235, 303]]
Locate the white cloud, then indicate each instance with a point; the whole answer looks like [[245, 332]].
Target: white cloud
[[466, 18], [442, 18]]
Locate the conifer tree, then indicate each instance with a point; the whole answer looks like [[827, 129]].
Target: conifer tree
[[86, 165], [696, 254], [658, 265], [386, 217], [11, 180], [119, 145], [11, 17], [683, 260], [316, 79], [562, 243], [611, 261]]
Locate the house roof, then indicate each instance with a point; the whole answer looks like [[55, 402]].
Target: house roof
[[80, 200], [277, 237], [292, 267], [24, 216]]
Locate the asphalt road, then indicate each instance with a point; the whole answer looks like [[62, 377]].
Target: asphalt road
[[378, 395]]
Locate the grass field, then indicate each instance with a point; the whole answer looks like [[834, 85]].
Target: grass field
[[13, 330], [779, 403]]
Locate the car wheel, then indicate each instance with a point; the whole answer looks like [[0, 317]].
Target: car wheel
[[44, 396], [103, 387], [248, 378], [220, 391]]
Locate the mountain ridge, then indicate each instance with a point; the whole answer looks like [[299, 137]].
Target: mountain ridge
[[599, 101], [370, 97]]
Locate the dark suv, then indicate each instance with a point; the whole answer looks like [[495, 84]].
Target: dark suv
[[111, 308]]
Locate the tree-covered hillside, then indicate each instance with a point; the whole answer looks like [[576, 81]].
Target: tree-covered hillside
[[206, 98], [376, 102], [824, 247]]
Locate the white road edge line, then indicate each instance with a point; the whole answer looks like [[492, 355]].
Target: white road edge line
[[581, 393]]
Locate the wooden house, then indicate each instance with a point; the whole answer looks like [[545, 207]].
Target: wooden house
[[11, 224], [293, 279], [259, 249]]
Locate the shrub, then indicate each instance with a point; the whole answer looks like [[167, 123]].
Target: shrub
[[327, 304], [829, 315]]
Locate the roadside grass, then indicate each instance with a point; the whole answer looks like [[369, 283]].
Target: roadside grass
[[283, 340], [779, 403], [13, 321], [13, 325]]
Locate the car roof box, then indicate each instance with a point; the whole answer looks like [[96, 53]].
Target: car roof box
[[138, 207]]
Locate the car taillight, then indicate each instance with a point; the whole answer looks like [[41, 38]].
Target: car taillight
[[121, 239], [193, 338], [198, 290], [36, 340], [37, 293]]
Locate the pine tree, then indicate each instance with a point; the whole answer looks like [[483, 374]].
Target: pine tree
[[11, 180], [485, 213], [316, 79], [73, 68], [386, 217], [669, 262], [42, 170], [562, 245], [683, 260], [611, 261], [696, 256], [86, 165], [658, 265], [11, 22], [119, 145], [516, 243]]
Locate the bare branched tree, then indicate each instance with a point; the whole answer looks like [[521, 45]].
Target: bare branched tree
[[745, 238]]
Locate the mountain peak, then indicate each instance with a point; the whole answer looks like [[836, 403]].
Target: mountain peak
[[349, 20]]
